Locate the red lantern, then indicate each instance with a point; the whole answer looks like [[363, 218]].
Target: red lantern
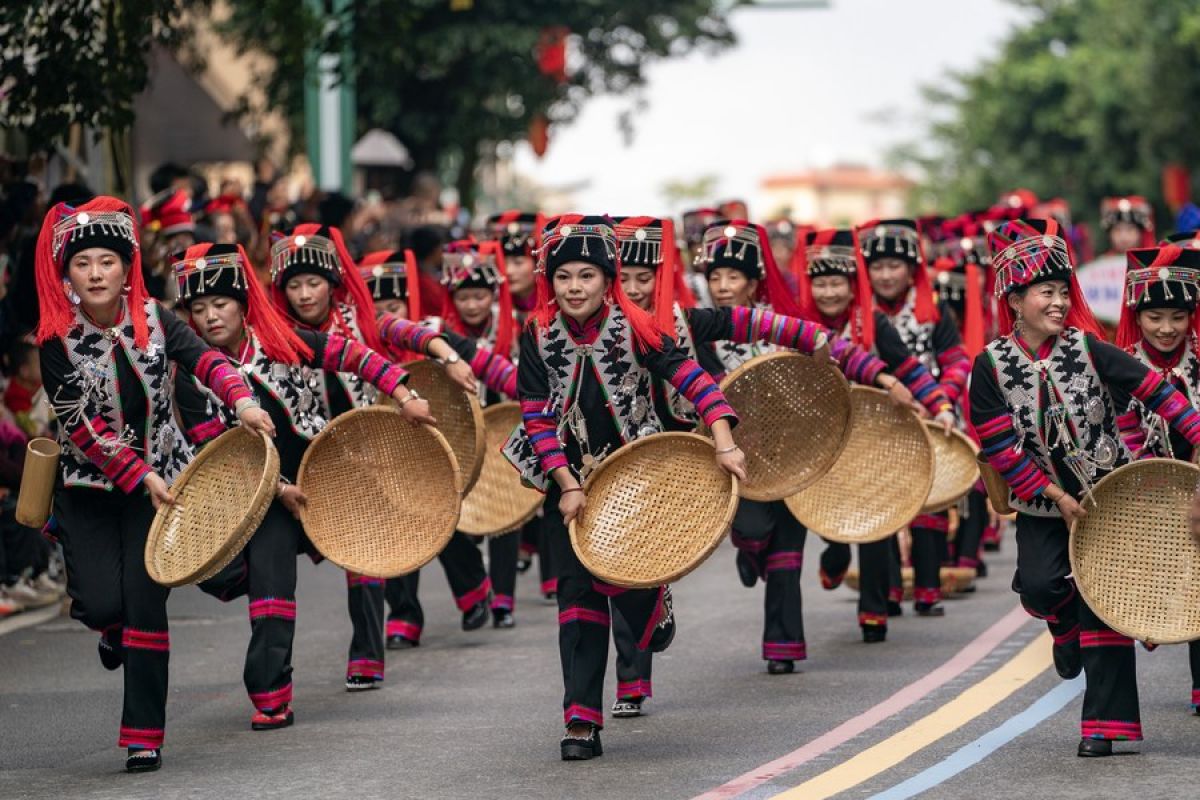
[[1177, 186], [539, 135], [551, 52]]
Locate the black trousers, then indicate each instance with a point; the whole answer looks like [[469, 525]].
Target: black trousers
[[502, 568], [774, 541], [364, 601], [875, 570], [1110, 702], [585, 608], [1194, 659], [633, 665], [22, 549], [969, 538], [265, 571], [104, 543], [469, 583], [532, 541], [929, 551]]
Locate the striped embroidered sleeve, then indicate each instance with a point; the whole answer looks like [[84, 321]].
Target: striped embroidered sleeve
[[215, 372], [402, 334], [541, 428], [924, 388], [1165, 400], [856, 364], [345, 355], [955, 368], [1133, 434], [691, 381], [1000, 448], [497, 372], [759, 325]]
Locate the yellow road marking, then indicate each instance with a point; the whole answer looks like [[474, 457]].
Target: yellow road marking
[[1023, 668]]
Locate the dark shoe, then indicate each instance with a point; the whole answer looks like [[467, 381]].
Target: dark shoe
[[831, 582], [991, 547], [780, 667], [475, 617], [747, 572], [111, 657], [874, 633], [361, 683], [664, 631], [503, 618], [624, 709], [581, 748], [1068, 661], [398, 642], [1095, 748], [523, 564], [143, 760], [271, 720], [929, 609], [981, 570], [551, 598], [895, 609]]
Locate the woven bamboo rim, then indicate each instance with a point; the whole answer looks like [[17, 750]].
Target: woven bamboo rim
[[220, 500], [1133, 555], [879, 482], [382, 493], [795, 415], [458, 413], [656, 509], [995, 485], [499, 502], [955, 469]]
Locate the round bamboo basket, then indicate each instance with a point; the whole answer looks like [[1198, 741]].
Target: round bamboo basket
[[955, 469], [458, 414], [879, 482], [499, 502], [795, 414], [220, 500], [656, 509], [1133, 555], [382, 493]]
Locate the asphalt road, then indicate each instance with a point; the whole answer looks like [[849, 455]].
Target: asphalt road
[[477, 715]]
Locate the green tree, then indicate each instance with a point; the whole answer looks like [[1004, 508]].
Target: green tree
[[447, 81], [1086, 98], [80, 61]]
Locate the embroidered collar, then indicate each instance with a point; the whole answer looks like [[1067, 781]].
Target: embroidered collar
[[587, 331], [893, 307], [525, 303], [837, 323], [1043, 351], [1164, 362]]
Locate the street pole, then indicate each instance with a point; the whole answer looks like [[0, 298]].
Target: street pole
[[329, 104]]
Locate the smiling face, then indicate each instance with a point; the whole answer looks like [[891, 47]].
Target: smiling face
[[731, 287], [890, 278], [474, 305], [580, 288], [1042, 308], [1165, 328], [831, 294], [638, 284], [219, 319], [309, 297], [97, 275]]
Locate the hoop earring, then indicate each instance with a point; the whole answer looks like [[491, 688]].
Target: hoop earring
[[69, 291], [125, 290]]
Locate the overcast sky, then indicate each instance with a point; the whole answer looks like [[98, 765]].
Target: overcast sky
[[800, 89]]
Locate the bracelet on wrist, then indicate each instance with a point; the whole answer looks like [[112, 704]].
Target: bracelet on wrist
[[573, 489], [725, 450], [412, 395]]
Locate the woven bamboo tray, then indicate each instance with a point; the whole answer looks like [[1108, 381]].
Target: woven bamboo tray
[[220, 500], [1133, 555], [879, 482], [795, 415], [656, 509], [499, 502], [996, 486], [954, 580], [458, 413], [955, 469], [382, 493]]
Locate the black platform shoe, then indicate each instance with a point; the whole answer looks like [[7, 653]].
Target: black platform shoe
[[895, 609], [981, 570], [627, 708], [523, 564], [282, 717], [111, 657], [361, 683], [503, 618], [581, 748], [781, 667], [143, 759], [873, 634], [747, 572], [1095, 748], [929, 609], [398, 642], [1068, 661], [475, 617]]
